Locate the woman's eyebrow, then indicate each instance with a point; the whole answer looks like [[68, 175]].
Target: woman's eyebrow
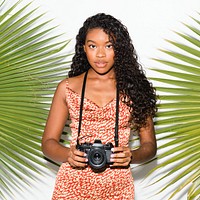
[[95, 42]]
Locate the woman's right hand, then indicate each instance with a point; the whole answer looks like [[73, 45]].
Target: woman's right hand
[[77, 158]]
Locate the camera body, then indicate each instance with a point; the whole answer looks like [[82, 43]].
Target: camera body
[[98, 155]]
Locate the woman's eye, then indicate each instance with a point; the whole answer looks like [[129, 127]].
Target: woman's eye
[[109, 46], [92, 46]]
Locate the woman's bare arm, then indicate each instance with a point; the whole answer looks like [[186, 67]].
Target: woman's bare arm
[[123, 156], [54, 126], [148, 145], [51, 146]]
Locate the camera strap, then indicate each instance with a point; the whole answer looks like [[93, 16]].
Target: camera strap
[[116, 137]]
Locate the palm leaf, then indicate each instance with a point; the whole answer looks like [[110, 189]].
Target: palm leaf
[[30, 67], [178, 119], [194, 189]]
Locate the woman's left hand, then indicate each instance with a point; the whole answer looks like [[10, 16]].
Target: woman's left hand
[[121, 156]]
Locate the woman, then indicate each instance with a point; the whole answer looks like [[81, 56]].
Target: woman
[[104, 62]]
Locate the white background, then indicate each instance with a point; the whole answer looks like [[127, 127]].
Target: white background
[[149, 22]]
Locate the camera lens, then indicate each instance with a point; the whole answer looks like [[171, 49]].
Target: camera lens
[[97, 158]]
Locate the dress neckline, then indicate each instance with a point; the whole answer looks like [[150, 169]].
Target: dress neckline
[[92, 102]]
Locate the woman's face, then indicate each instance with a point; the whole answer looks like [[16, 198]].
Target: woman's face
[[99, 50]]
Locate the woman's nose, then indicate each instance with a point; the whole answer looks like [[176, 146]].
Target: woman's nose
[[101, 52]]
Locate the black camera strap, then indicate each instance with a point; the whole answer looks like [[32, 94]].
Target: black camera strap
[[116, 138]]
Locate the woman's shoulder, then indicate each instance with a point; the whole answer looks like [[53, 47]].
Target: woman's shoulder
[[75, 79], [62, 83], [61, 86], [73, 83]]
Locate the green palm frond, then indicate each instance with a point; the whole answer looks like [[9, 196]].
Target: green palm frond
[[30, 67], [178, 119]]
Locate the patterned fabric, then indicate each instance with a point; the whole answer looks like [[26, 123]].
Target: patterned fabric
[[97, 123]]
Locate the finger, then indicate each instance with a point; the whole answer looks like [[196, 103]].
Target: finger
[[121, 162], [121, 158], [74, 163], [120, 165], [77, 152], [117, 149], [120, 149], [77, 159], [118, 155], [123, 154]]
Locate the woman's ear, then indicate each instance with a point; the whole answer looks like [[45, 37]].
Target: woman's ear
[[84, 48]]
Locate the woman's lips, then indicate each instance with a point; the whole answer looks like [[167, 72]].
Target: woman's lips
[[100, 64]]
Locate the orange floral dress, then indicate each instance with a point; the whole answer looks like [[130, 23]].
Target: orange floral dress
[[97, 123]]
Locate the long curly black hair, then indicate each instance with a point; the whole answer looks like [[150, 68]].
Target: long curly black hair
[[137, 92]]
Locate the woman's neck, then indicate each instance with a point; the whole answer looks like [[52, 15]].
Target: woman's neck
[[110, 74]]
